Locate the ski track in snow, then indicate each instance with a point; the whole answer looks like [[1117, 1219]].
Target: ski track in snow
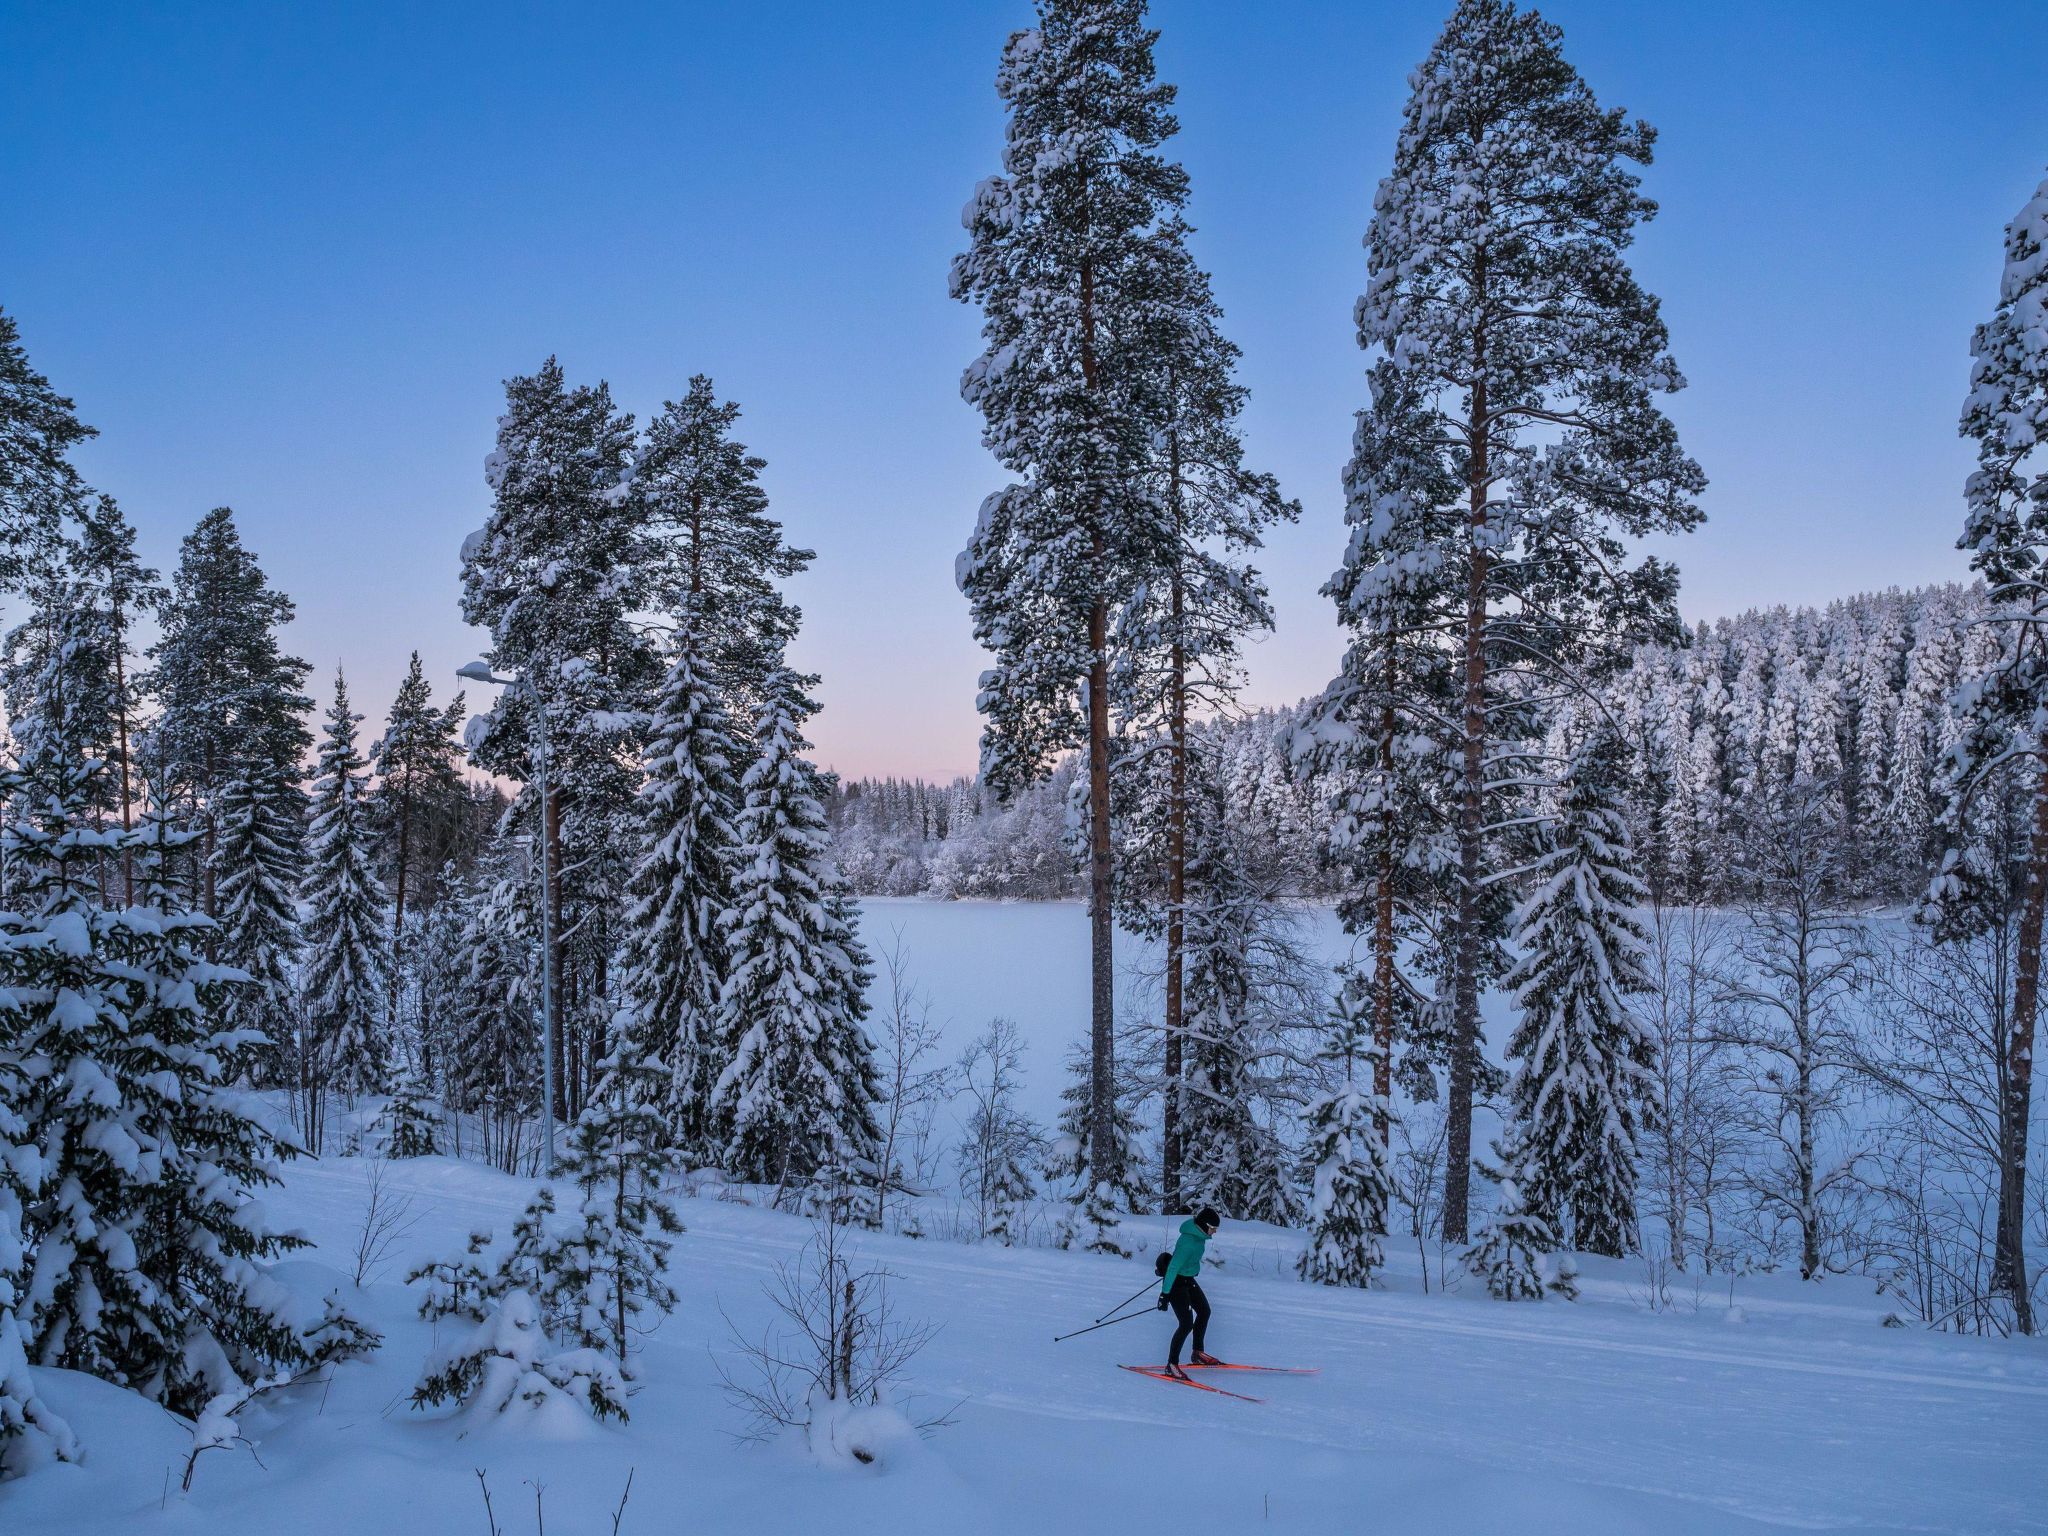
[[1455, 1414]]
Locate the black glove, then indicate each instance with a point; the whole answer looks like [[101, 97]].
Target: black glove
[[1162, 1303]]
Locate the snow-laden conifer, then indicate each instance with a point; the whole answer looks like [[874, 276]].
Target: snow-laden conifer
[[617, 1161], [674, 955], [795, 1091], [1580, 1092], [1524, 361], [348, 970], [1347, 1139], [148, 1247]]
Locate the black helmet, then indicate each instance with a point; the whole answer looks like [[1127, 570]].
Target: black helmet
[[1208, 1220]]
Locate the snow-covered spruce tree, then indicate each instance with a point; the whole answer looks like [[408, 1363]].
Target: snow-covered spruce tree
[[496, 1068], [123, 589], [259, 818], [673, 957], [616, 1160], [796, 1088], [1098, 1203], [1179, 640], [1586, 1063], [1246, 983], [1512, 1252], [229, 712], [31, 1432], [507, 1364], [408, 1120], [38, 430], [2006, 534], [147, 1247], [1347, 1149], [1499, 288], [558, 574], [456, 1286], [348, 967], [720, 555], [418, 761], [1062, 248]]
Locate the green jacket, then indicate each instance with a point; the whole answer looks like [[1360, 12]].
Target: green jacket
[[1187, 1255]]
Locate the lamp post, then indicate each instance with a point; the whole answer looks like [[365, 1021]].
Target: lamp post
[[480, 672]]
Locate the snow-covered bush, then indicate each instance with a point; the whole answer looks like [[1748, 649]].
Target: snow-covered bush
[[507, 1365], [456, 1286]]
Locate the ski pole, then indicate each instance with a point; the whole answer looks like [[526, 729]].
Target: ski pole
[[1126, 1318], [1141, 1290]]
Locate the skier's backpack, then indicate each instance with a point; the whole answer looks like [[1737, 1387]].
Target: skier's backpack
[[1159, 1264]]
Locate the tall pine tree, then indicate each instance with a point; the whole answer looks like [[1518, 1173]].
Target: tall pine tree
[[2006, 712], [1530, 360], [1062, 252]]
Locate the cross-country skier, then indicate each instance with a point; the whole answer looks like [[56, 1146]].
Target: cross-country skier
[[1178, 1289]]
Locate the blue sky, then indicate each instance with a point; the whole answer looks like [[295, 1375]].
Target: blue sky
[[283, 255]]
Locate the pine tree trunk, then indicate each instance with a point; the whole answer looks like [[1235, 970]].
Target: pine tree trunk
[[127, 784], [206, 884], [1385, 975], [1471, 813], [1176, 863], [1102, 1159], [2009, 1268], [552, 852]]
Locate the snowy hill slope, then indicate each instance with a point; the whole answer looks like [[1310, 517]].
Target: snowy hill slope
[[1451, 1414]]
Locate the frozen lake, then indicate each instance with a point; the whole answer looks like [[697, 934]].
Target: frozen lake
[[1028, 961]]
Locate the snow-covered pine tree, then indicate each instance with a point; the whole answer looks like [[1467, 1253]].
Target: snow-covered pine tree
[[230, 712], [2006, 534], [1179, 641], [415, 808], [1579, 1095], [348, 967], [38, 430], [795, 1091], [148, 1248], [1243, 974], [1061, 254], [1347, 1150], [720, 555], [123, 589], [1511, 202], [497, 1065], [31, 1432], [507, 1364], [1511, 1254], [1098, 1203], [259, 818], [559, 574], [673, 958], [408, 1120], [456, 1286], [617, 1161]]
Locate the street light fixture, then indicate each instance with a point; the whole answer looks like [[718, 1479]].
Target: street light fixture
[[480, 672]]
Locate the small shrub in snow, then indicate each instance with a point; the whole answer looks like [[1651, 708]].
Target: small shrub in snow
[[823, 1369], [507, 1364]]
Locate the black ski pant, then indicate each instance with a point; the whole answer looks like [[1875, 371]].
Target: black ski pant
[[1191, 1309]]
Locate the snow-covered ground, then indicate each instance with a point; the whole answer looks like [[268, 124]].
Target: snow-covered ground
[[1451, 1414]]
